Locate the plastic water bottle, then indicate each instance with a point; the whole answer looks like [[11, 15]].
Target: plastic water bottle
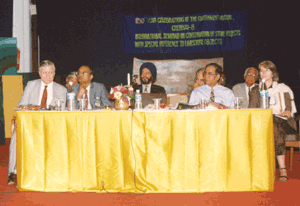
[[138, 100], [71, 97], [263, 95]]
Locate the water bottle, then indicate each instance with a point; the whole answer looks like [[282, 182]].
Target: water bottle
[[71, 97], [138, 100], [263, 95]]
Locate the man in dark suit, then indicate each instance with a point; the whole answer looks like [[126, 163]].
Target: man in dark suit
[[243, 89], [86, 89], [148, 77]]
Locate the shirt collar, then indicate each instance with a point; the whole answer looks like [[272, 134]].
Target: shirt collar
[[148, 87], [48, 85], [250, 87], [213, 87], [88, 87]]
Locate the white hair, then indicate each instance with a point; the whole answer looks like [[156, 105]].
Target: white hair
[[249, 69], [46, 63]]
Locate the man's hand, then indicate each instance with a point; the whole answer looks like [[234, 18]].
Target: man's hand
[[286, 113], [81, 92], [198, 83]]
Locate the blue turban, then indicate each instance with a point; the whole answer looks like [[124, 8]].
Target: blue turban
[[149, 66]]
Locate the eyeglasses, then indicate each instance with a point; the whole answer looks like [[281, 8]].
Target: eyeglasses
[[209, 73], [83, 73], [249, 74]]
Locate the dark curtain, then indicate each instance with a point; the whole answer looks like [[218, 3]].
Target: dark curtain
[[6, 18], [74, 33], [90, 32], [6, 14]]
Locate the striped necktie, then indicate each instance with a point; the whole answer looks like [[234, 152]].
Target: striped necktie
[[212, 95], [86, 99]]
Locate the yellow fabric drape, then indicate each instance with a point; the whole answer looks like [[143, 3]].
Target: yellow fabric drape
[[188, 151], [75, 151], [124, 151]]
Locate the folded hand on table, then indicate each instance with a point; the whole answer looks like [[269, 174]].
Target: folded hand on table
[[286, 113]]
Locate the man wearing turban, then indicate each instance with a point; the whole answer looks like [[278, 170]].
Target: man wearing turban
[[148, 77]]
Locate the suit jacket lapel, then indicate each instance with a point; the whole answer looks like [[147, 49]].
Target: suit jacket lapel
[[152, 89], [36, 93], [92, 95], [54, 94], [245, 92]]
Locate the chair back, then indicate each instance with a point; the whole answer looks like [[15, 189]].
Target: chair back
[[12, 93], [292, 141]]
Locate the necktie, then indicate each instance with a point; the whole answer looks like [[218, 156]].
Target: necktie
[[44, 98], [249, 93], [212, 95], [146, 89], [86, 100]]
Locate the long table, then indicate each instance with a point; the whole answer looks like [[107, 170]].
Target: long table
[[145, 152]]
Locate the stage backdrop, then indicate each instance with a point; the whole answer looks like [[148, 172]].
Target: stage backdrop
[[176, 76], [217, 31]]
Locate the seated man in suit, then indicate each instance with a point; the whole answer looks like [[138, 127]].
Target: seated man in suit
[[86, 89], [148, 77], [72, 77], [243, 89], [212, 91], [43, 92]]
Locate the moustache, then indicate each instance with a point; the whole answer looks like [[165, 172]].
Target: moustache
[[146, 80]]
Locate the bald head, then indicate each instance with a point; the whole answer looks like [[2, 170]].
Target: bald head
[[250, 76]]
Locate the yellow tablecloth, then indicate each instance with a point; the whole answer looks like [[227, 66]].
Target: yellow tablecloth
[[124, 151], [186, 151], [75, 151]]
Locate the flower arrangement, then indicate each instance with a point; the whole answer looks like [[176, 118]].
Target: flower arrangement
[[121, 93]]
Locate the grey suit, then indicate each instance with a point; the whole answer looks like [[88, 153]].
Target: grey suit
[[239, 90], [31, 95], [96, 90]]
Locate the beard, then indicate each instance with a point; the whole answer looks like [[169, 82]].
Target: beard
[[147, 80]]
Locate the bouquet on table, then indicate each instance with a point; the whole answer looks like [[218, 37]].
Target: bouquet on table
[[121, 93]]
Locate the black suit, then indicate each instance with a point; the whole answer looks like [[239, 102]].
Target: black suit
[[154, 88]]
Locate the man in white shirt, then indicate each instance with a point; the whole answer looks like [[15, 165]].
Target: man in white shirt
[[86, 89], [212, 91], [243, 89], [43, 92]]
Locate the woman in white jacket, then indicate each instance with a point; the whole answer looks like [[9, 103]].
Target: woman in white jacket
[[283, 106]]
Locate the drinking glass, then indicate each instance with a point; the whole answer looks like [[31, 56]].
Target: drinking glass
[[202, 103], [81, 104], [157, 103], [58, 105], [238, 103]]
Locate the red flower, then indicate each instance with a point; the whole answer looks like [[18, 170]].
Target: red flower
[[111, 96], [124, 91]]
